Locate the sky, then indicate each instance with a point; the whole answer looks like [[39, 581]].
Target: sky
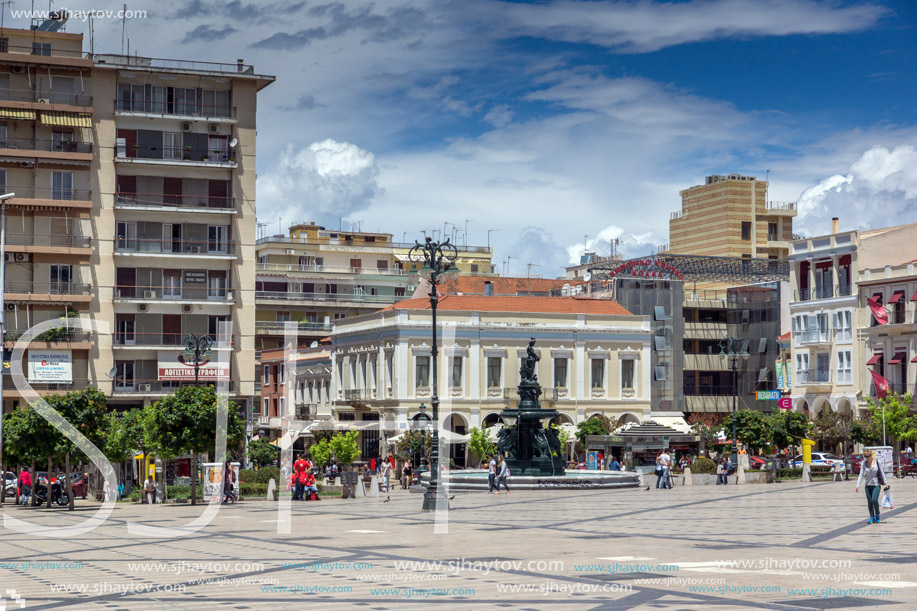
[[549, 127]]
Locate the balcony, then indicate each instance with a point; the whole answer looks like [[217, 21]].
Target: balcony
[[279, 327], [52, 149], [160, 201], [781, 208], [38, 241], [813, 376], [822, 292], [144, 293], [49, 197], [34, 96], [47, 292], [815, 336], [899, 388], [326, 269], [351, 243], [52, 387], [157, 387], [359, 394], [154, 339], [159, 246], [304, 411], [178, 155], [52, 337], [369, 300], [36, 55], [190, 110]]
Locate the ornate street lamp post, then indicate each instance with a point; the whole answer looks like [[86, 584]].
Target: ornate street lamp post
[[437, 258], [197, 347], [735, 348]]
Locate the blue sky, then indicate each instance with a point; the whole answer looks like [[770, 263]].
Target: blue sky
[[550, 120]]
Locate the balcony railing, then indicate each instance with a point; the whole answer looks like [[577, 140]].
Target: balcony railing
[[342, 242], [170, 293], [813, 376], [358, 394], [55, 193], [176, 154], [823, 292], [48, 288], [781, 205], [142, 386], [76, 384], [51, 97], [133, 338], [815, 336], [134, 61], [304, 411], [184, 109], [132, 200], [64, 240], [710, 391], [58, 334], [895, 387], [291, 267], [333, 297], [55, 146], [279, 326], [172, 246]]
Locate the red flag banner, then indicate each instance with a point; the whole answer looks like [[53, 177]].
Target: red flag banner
[[881, 384], [878, 310]]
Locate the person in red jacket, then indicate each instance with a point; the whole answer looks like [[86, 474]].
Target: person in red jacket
[[309, 486], [300, 468]]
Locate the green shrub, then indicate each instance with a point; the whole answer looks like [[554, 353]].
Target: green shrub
[[248, 476], [702, 464], [817, 472], [182, 492], [266, 474], [253, 490], [135, 493]]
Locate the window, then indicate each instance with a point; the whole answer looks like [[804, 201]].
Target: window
[[215, 103], [265, 407], [598, 373], [422, 371], [4, 141], [3, 181], [218, 239], [62, 185], [844, 372], [369, 238], [282, 374], [802, 362], [283, 407], [842, 329], [216, 284], [560, 373], [213, 326], [772, 232], [627, 374], [494, 366], [474, 268], [124, 330], [172, 145], [131, 98], [62, 141], [4, 45], [457, 372], [61, 276], [660, 372], [41, 48], [171, 283], [659, 312], [823, 362], [399, 291], [184, 101], [746, 230], [124, 375], [267, 375], [219, 148]]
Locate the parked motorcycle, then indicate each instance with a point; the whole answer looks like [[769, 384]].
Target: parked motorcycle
[[58, 494]]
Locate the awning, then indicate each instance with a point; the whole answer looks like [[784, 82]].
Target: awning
[[914, 360], [403, 258], [875, 358], [914, 296], [66, 119], [900, 357], [673, 422], [17, 113], [331, 425], [896, 297]]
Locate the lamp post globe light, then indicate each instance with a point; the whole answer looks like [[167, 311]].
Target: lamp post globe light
[[197, 347], [735, 348], [437, 259]]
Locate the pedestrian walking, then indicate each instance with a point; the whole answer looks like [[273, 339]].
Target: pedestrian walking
[[229, 478], [721, 472], [666, 461], [872, 474], [299, 471], [491, 474], [385, 469], [502, 474], [406, 474], [25, 487], [614, 465], [659, 471]]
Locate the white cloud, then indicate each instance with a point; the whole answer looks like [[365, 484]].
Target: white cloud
[[641, 27], [878, 190], [325, 181], [499, 115], [628, 245]]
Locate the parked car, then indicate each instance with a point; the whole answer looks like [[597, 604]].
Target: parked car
[[825, 459], [10, 490], [853, 463]]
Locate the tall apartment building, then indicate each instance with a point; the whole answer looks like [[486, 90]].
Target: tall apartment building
[[729, 216], [46, 156], [314, 276], [831, 316], [135, 204]]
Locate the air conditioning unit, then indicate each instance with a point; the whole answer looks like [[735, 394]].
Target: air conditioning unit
[[18, 69], [142, 307], [149, 294], [186, 308], [290, 251], [228, 295], [44, 100], [144, 387], [194, 249], [20, 256], [186, 127], [214, 128], [10, 307]]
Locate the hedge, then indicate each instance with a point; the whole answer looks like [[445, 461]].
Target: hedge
[[702, 464]]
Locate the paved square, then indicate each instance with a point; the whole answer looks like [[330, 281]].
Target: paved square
[[784, 546]]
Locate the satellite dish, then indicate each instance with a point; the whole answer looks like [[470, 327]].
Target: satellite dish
[[587, 276], [233, 142], [313, 345], [113, 372]]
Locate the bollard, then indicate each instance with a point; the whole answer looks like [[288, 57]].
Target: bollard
[[740, 475], [374, 486], [806, 472], [686, 481], [271, 490]]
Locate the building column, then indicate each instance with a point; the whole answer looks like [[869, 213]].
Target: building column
[[580, 360], [474, 369], [835, 276], [811, 277]]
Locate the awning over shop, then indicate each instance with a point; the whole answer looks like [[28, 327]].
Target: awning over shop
[[17, 113], [66, 119], [403, 258], [331, 425], [875, 358], [900, 357]]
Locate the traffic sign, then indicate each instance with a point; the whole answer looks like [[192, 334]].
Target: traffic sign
[[785, 403]]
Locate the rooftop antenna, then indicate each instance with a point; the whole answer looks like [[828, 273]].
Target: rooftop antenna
[[529, 267], [506, 265], [489, 231], [465, 237], [123, 26], [280, 225], [3, 5], [261, 227]]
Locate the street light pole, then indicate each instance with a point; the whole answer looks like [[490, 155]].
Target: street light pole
[[735, 348], [3, 200], [199, 347], [437, 258]]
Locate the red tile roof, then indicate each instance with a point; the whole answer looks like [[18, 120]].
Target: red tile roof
[[501, 286], [784, 337], [503, 303]]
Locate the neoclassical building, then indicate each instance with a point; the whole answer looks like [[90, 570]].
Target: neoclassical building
[[594, 358]]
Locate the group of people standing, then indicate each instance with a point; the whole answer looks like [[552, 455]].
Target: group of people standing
[[302, 480], [664, 469], [497, 473]]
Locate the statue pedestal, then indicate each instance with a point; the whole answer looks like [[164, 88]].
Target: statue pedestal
[[527, 444]]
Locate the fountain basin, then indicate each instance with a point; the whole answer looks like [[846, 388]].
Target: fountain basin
[[467, 481]]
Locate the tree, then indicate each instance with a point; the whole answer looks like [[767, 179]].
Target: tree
[[707, 434], [751, 428], [787, 428], [87, 411], [261, 452], [563, 436], [31, 439], [481, 443], [321, 452], [898, 423], [831, 428], [597, 424], [414, 442], [185, 422], [344, 446], [866, 431]]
